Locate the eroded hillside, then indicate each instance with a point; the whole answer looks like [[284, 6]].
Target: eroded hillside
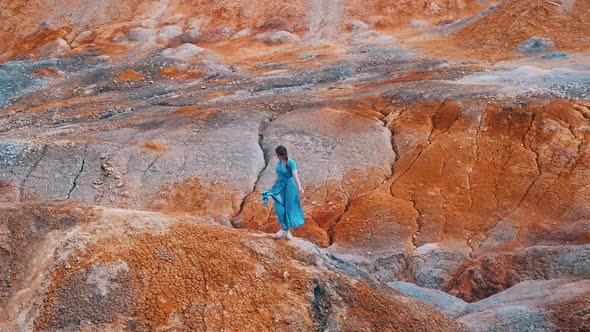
[[443, 190]]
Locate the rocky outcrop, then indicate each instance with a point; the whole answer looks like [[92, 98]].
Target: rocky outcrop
[[128, 160], [147, 172], [350, 157], [452, 211], [81, 267], [494, 273], [555, 305], [91, 25]]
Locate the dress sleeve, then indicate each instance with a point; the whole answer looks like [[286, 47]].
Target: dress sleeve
[[292, 164]]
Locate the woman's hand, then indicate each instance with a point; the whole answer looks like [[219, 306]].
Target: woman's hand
[[301, 190]]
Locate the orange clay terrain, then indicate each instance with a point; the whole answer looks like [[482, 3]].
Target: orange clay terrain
[[442, 145], [566, 23]]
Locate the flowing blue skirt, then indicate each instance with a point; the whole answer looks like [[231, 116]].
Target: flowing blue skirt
[[286, 203]]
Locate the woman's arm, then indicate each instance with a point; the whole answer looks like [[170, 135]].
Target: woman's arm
[[296, 176]]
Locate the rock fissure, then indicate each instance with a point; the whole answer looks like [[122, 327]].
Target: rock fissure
[[330, 230], [429, 139], [349, 200], [261, 129], [418, 222], [150, 166], [528, 145], [395, 149], [391, 188], [182, 169], [538, 169], [484, 157], [431, 135], [75, 181], [477, 157]]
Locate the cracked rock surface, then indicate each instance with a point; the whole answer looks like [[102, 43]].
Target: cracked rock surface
[[136, 138]]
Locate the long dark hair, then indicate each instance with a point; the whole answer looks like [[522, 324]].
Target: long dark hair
[[281, 151]]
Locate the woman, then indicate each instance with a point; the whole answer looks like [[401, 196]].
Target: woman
[[285, 194]]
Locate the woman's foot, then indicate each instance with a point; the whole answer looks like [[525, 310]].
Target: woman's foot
[[289, 235], [280, 234]]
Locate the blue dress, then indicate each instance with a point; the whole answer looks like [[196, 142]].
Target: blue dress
[[286, 197]]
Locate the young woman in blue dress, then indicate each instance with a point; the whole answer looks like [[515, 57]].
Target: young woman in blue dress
[[285, 194]]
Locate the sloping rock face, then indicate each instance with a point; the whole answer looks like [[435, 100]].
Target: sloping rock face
[[79, 267], [505, 189], [516, 21], [31, 27], [553, 305], [138, 21], [390, 14], [362, 165], [135, 143], [492, 274], [153, 168], [556, 305]]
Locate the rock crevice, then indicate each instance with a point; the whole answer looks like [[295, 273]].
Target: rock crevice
[[78, 173]]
